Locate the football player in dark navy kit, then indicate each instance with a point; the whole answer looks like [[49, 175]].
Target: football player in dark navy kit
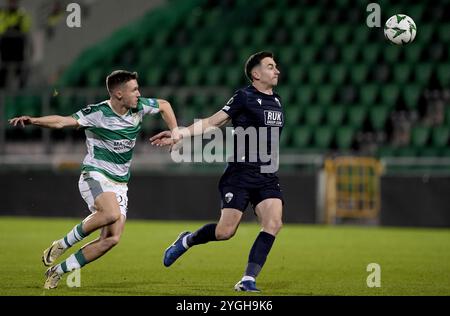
[[250, 176]]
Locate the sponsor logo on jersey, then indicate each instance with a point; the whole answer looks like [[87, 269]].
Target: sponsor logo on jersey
[[273, 118]]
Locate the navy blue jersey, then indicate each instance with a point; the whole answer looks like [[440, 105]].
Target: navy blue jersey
[[255, 113]]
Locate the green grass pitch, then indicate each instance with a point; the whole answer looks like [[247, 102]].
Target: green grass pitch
[[305, 260]]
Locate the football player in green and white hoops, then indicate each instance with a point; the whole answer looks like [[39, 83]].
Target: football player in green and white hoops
[[111, 129]]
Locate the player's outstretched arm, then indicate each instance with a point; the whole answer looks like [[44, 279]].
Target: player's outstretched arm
[[50, 121], [166, 138], [167, 114]]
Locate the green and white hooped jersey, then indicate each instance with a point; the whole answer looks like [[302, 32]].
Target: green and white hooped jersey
[[110, 138]]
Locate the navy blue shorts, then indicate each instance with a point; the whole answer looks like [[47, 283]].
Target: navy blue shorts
[[240, 185]]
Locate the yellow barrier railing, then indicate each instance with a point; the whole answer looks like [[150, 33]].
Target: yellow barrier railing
[[352, 188]]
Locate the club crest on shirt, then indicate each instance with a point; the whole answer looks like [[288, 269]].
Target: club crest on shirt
[[228, 197]]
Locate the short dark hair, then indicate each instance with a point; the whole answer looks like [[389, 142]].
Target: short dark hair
[[254, 60], [118, 77]]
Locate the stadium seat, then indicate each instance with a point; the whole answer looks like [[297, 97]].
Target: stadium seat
[[359, 73], [335, 115], [389, 94], [402, 73], [419, 136], [356, 116], [411, 94], [322, 137], [316, 74], [296, 74], [313, 115], [443, 73], [344, 137], [304, 95], [326, 95], [338, 74], [440, 136], [378, 115], [423, 73], [301, 137], [368, 94]]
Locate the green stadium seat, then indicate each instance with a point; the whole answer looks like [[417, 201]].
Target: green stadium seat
[[349, 54], [341, 34], [402, 73], [154, 76], [344, 137], [335, 115], [319, 35], [293, 115], [423, 73], [322, 137], [411, 94], [359, 73], [412, 54], [392, 53], [338, 74], [370, 53], [308, 55], [356, 116], [368, 94], [214, 76], [390, 94], [240, 37], [259, 36], [360, 34], [419, 136], [296, 74], [299, 36], [95, 77], [424, 34], [311, 15], [286, 55], [326, 95], [440, 136], [444, 34], [292, 18], [206, 57], [304, 95], [378, 115], [443, 73], [313, 115], [233, 77], [317, 73], [301, 136], [194, 76]]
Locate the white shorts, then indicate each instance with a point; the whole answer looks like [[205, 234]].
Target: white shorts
[[93, 183]]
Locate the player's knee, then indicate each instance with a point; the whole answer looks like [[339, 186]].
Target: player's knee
[[273, 226], [225, 234], [112, 241], [112, 216]]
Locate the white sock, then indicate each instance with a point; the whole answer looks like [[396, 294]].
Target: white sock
[[184, 241], [248, 278], [74, 236]]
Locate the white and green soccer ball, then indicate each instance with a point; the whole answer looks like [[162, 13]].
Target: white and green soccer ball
[[400, 29]]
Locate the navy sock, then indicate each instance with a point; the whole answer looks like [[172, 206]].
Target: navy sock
[[258, 253], [203, 235]]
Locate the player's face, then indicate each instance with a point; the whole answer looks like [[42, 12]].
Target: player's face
[[269, 72], [130, 93]]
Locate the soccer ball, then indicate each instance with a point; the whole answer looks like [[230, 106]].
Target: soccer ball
[[400, 29]]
